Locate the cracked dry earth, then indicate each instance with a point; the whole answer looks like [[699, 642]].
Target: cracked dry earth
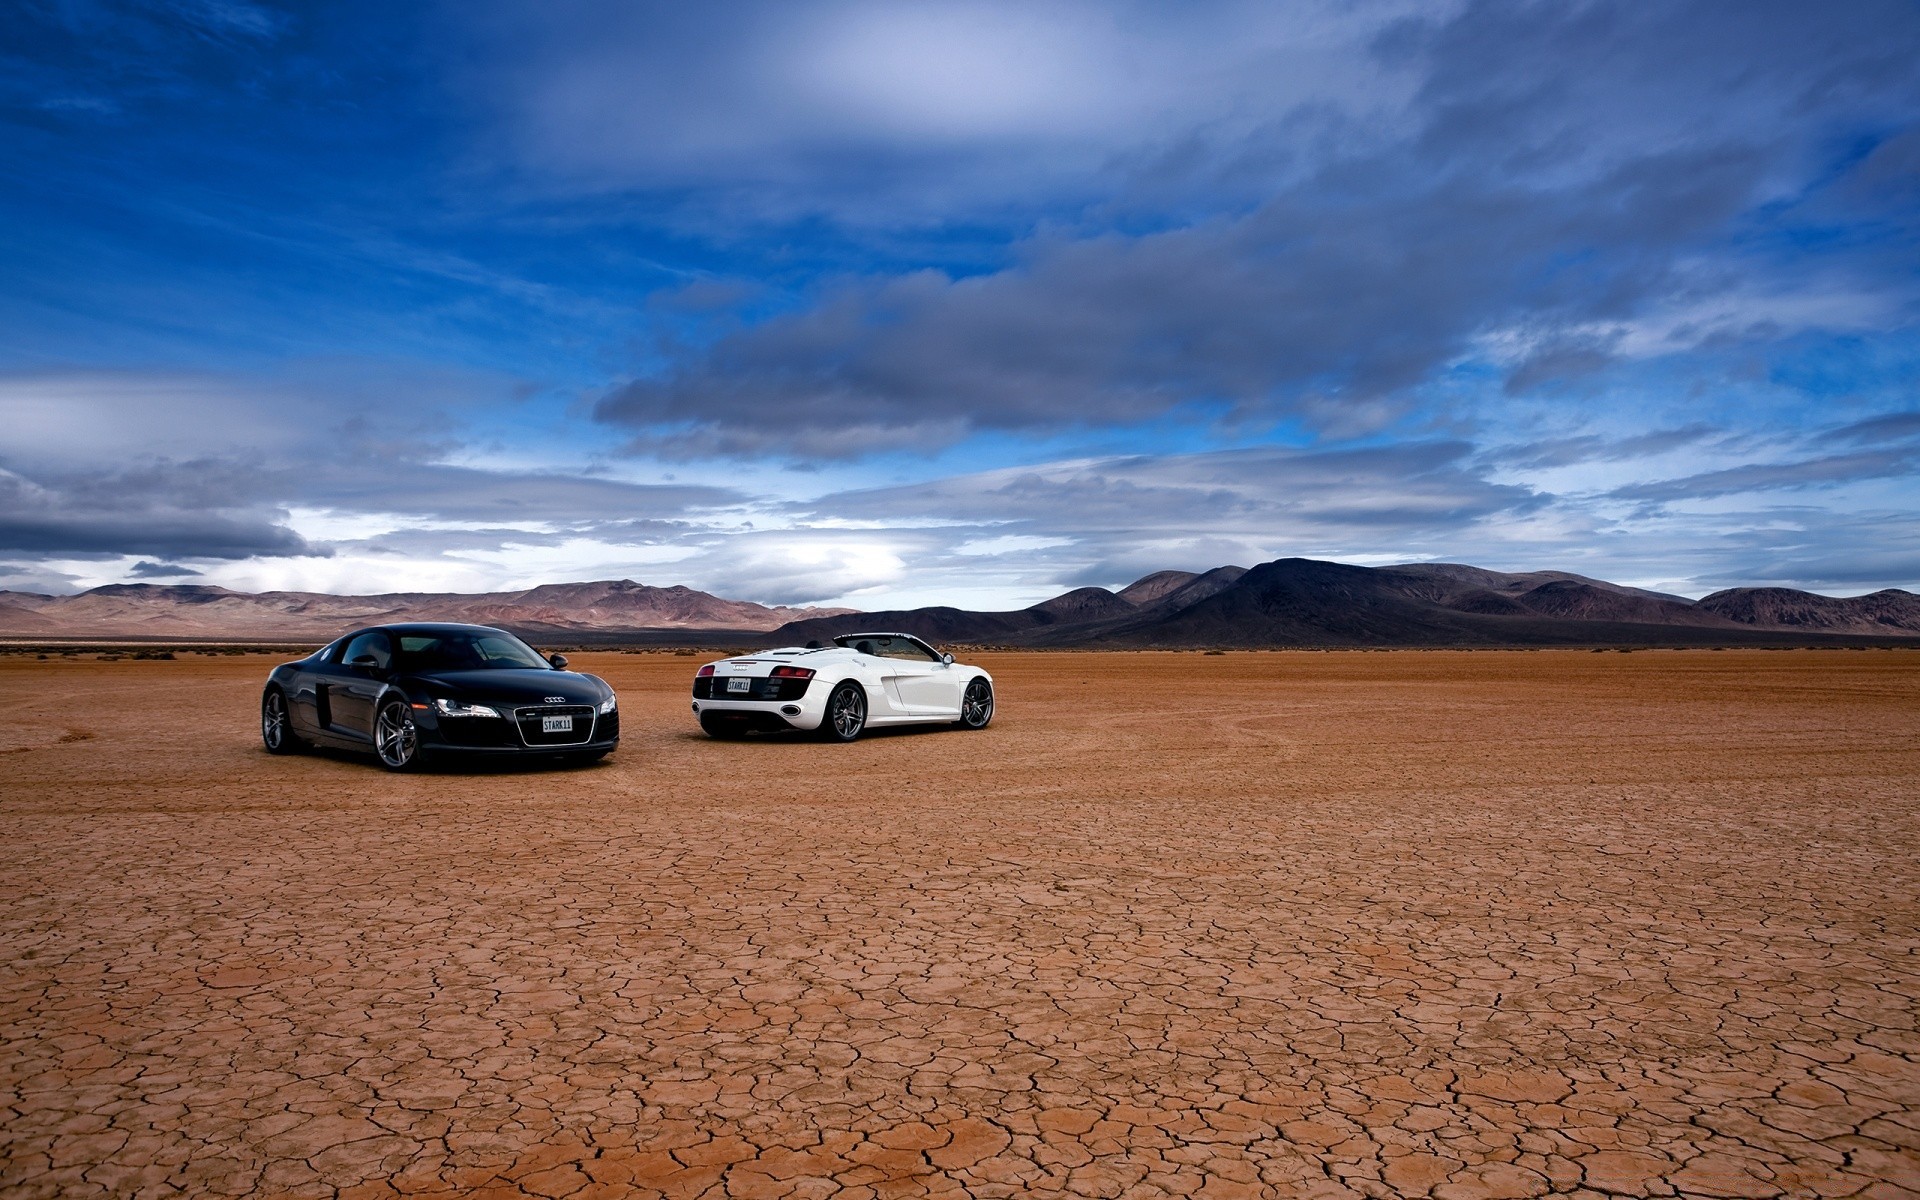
[[1409, 924]]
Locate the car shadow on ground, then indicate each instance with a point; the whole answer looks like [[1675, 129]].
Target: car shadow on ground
[[800, 737], [463, 764]]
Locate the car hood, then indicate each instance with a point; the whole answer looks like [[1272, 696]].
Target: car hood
[[526, 686]]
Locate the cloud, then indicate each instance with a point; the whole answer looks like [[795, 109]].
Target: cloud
[[1198, 510], [147, 569], [196, 467], [1565, 180], [1827, 471], [887, 113], [1593, 447], [48, 521], [1891, 427]]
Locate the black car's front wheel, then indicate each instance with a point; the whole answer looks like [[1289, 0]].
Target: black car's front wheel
[[395, 737], [976, 707], [846, 713], [276, 725]]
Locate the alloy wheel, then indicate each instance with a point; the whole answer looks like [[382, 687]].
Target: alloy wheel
[[848, 713], [976, 707], [273, 721], [395, 738]]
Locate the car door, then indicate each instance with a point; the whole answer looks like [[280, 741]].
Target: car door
[[364, 669], [923, 679], [304, 699]]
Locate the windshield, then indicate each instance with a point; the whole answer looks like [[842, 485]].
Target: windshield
[[886, 645], [464, 651]]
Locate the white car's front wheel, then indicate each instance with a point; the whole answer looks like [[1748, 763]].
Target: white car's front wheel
[[846, 713], [976, 707]]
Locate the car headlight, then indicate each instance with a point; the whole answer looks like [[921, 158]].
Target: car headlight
[[453, 708], [609, 704]]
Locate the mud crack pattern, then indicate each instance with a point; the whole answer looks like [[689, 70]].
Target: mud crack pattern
[[1263, 925]]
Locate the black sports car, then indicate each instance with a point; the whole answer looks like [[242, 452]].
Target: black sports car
[[410, 692]]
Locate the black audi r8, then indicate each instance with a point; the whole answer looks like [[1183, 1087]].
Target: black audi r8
[[411, 692]]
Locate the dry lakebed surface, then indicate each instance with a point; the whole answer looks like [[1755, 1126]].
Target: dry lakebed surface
[[1447, 924]]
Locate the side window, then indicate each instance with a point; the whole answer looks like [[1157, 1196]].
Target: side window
[[906, 648], [368, 650]]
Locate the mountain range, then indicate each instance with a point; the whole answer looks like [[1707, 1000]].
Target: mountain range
[[198, 611], [1304, 602], [1287, 602]]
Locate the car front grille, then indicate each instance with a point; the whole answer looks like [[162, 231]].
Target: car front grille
[[480, 733], [533, 735]]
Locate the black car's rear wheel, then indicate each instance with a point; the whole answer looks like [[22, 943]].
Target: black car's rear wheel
[[276, 725], [976, 707], [846, 713], [395, 737]]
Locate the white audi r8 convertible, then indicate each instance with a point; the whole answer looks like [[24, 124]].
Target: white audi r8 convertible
[[862, 680]]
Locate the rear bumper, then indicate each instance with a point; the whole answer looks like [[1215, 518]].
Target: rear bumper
[[767, 716]]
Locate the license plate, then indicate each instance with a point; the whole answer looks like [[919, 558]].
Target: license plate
[[740, 683], [556, 724]]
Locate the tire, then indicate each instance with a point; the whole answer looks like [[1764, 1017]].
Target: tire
[[722, 729], [976, 705], [846, 714], [396, 740], [276, 725]]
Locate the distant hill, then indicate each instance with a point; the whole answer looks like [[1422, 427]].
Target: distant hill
[[1287, 602], [194, 611], [1304, 602], [1889, 611]]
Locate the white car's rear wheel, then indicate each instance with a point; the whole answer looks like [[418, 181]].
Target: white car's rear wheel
[[846, 713]]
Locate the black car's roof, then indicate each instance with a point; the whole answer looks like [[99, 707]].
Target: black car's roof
[[433, 627]]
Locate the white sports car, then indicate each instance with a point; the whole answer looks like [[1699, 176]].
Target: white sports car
[[861, 680]]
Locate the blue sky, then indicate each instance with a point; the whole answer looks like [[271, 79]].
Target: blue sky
[[890, 303]]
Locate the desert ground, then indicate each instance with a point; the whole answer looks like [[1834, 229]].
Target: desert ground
[[1256, 924]]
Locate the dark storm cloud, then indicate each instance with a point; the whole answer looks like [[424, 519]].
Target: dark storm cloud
[[94, 464], [437, 491], [90, 520], [1560, 172], [1299, 308], [226, 509], [152, 570]]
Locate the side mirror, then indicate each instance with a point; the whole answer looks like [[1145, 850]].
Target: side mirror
[[558, 661], [947, 659]]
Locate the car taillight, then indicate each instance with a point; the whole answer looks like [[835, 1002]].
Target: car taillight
[[703, 672], [793, 673]]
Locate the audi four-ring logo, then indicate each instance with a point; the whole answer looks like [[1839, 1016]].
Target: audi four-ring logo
[[554, 699]]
